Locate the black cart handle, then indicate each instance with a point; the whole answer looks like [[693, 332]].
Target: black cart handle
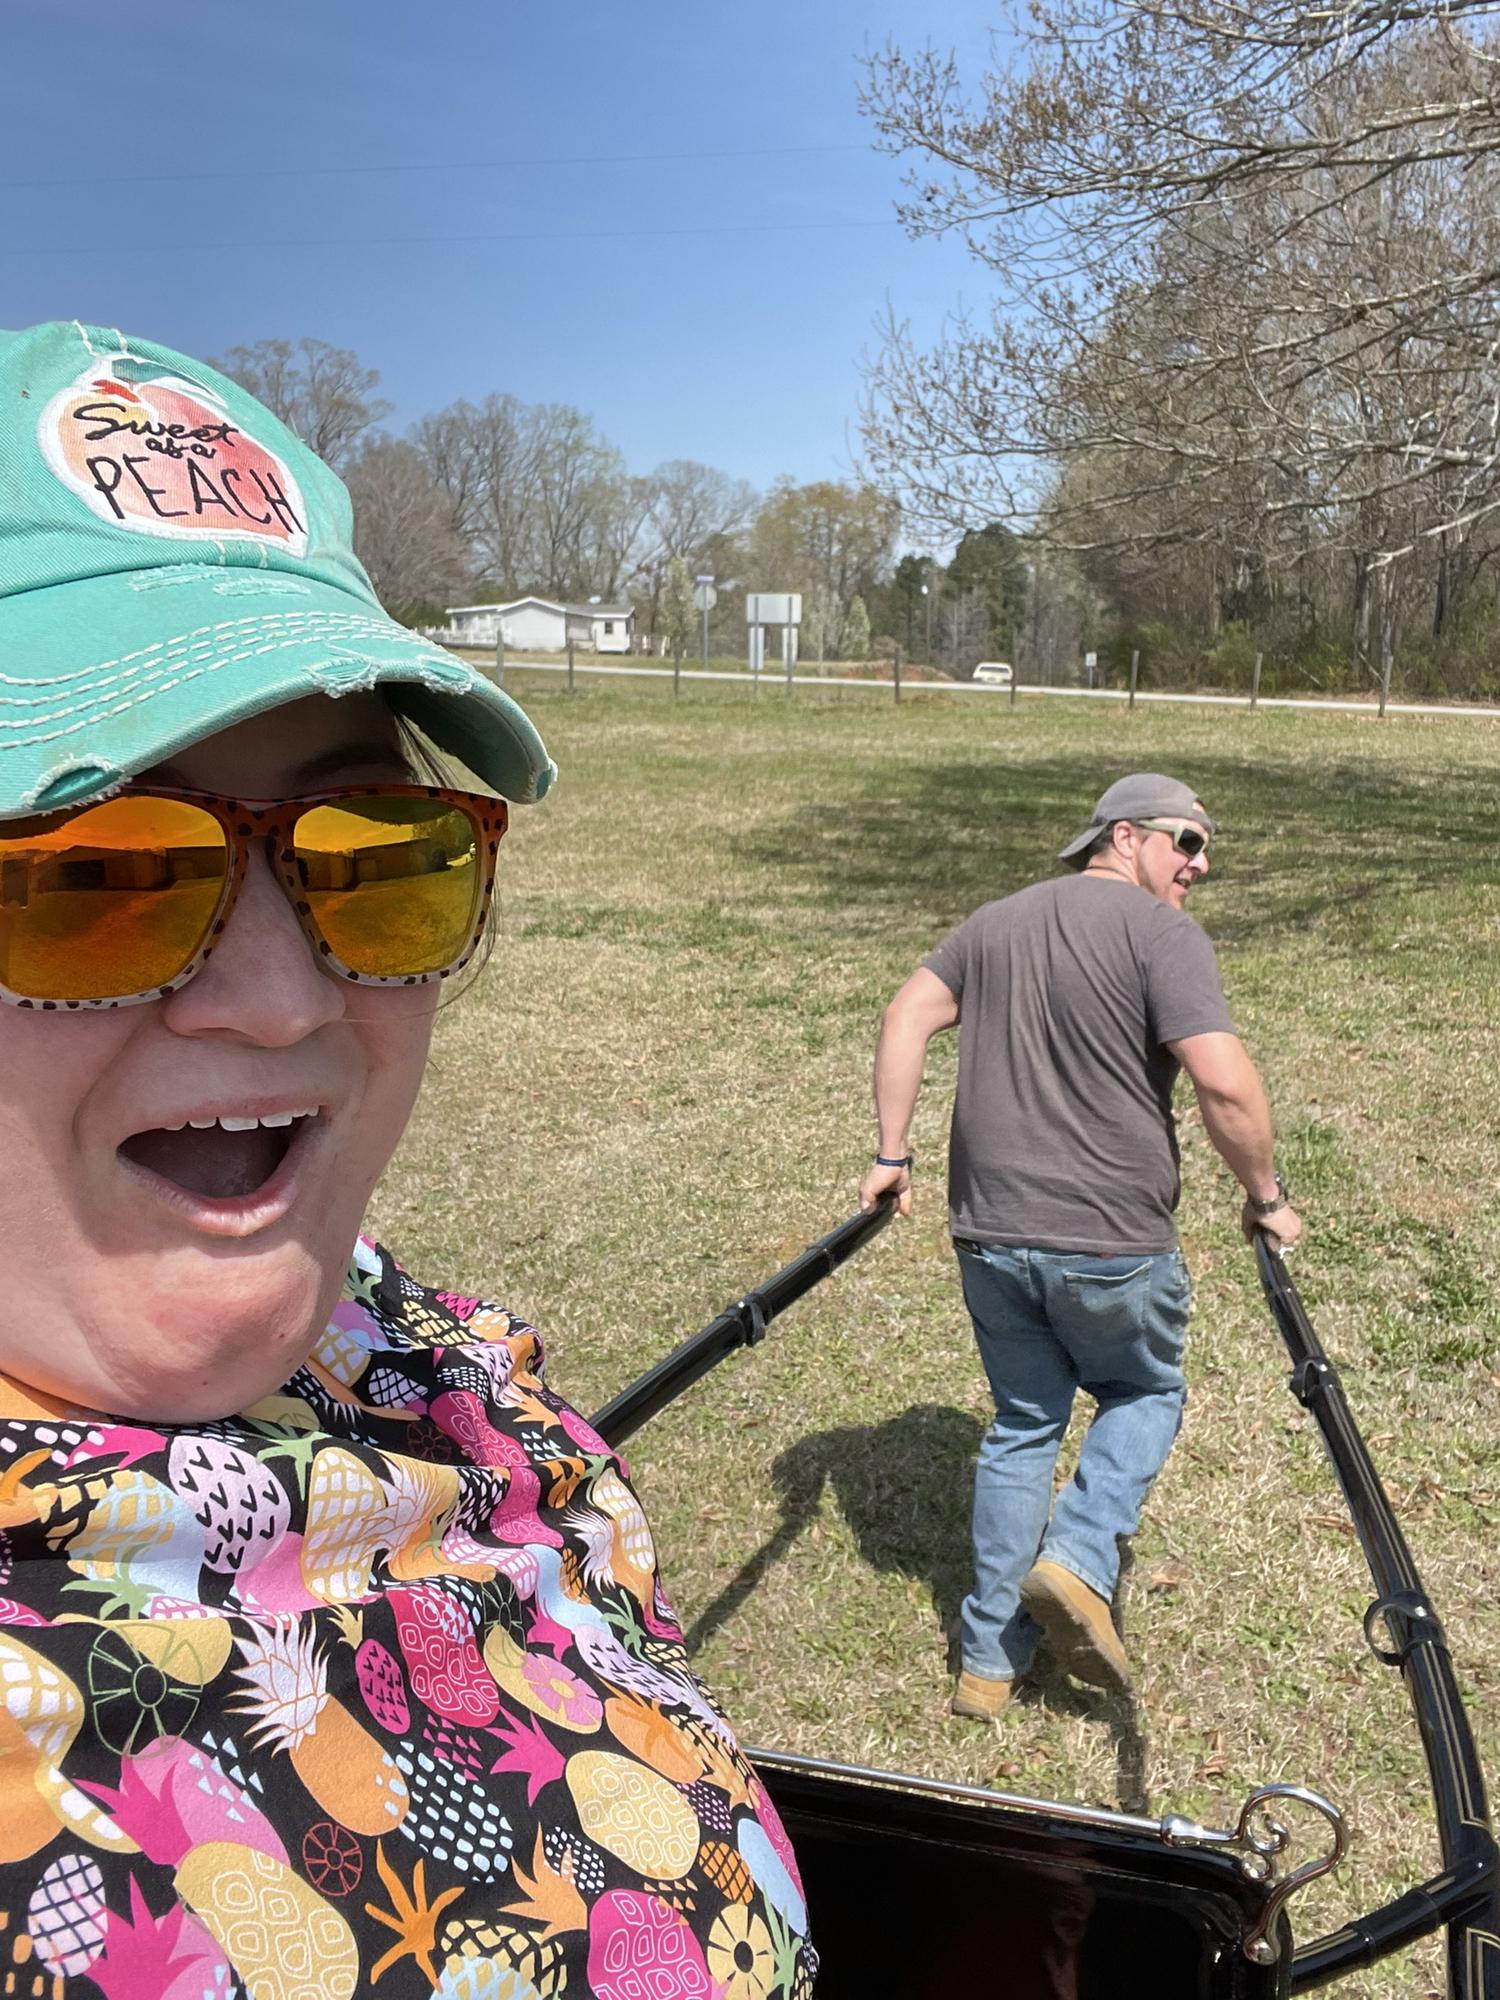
[[740, 1325], [1465, 1896]]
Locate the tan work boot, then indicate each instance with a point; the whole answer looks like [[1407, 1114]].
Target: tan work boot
[[1077, 1624], [980, 1698]]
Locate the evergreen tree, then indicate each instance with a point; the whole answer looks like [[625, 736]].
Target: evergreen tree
[[988, 563]]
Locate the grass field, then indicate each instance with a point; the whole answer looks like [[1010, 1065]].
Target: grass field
[[659, 1092]]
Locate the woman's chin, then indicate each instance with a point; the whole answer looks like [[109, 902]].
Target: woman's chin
[[208, 1345], [218, 1392]]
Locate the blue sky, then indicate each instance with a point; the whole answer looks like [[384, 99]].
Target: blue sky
[[668, 214]]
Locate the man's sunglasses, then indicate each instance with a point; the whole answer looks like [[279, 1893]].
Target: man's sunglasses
[[1188, 839], [103, 905]]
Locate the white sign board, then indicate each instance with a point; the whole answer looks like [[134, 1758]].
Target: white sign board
[[705, 597], [1091, 660], [773, 607]]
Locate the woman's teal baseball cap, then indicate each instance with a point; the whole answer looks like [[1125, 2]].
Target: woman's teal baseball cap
[[173, 560]]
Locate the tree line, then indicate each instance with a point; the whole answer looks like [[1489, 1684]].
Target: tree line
[[1239, 383], [492, 500]]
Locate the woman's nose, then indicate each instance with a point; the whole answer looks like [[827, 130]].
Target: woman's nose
[[262, 981]]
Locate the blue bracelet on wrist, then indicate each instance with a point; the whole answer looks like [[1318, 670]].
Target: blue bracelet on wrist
[[882, 1161]]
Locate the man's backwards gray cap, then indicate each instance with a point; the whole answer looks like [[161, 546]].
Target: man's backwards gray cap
[[1143, 795]]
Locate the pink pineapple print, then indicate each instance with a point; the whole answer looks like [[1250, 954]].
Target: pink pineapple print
[[515, 1519], [384, 1689], [158, 1958], [174, 1796]]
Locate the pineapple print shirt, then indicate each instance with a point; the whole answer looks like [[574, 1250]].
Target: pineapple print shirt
[[372, 1688]]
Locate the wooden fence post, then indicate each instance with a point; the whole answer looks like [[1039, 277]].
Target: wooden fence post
[[1135, 669], [896, 672], [570, 666], [1255, 680], [500, 656]]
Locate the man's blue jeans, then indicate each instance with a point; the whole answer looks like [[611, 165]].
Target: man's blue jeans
[[1049, 1323]]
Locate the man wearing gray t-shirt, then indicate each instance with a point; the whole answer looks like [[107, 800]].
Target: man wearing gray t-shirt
[[1076, 1001]]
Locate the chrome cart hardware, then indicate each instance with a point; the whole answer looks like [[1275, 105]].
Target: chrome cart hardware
[[1261, 1839]]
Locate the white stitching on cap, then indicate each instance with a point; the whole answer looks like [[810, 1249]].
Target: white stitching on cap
[[360, 621], [221, 586], [97, 714], [260, 586], [140, 669], [161, 579], [175, 669]]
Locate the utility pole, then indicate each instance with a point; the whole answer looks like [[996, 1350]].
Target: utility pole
[[705, 597], [1034, 571]]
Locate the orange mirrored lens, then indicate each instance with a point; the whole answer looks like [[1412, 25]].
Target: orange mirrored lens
[[110, 902], [393, 884]]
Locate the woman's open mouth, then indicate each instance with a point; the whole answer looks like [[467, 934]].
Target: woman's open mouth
[[221, 1159]]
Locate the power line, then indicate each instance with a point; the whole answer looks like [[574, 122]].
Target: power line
[[261, 173], [550, 236]]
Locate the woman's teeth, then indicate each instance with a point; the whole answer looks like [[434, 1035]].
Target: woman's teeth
[[225, 1157], [273, 1118]]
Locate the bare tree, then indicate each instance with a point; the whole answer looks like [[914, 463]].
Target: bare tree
[[404, 532], [520, 496], [621, 531], [1113, 115], [964, 634], [1262, 273], [691, 510], [575, 471], [832, 542], [543, 502], [325, 394], [692, 504], [474, 455]]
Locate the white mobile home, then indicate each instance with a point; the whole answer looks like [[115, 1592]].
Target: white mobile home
[[540, 625]]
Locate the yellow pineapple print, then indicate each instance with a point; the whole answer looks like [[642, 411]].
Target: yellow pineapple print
[[634, 1561], [346, 1525], [41, 1712]]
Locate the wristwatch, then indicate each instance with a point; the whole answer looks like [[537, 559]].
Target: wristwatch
[[1259, 1207]]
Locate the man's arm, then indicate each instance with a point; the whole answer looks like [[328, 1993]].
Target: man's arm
[[919, 1010], [1237, 1119]]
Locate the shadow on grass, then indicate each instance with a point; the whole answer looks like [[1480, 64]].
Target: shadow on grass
[[903, 1487], [930, 842], [1047, 1686]]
